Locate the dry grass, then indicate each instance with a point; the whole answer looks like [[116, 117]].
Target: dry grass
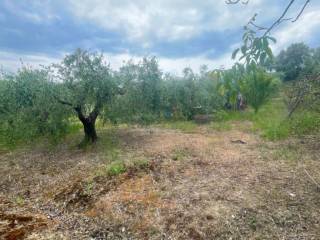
[[204, 185]]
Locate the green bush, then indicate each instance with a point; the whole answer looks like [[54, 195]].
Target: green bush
[[257, 87], [28, 109]]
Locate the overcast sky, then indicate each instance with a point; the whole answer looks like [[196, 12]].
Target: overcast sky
[[180, 33]]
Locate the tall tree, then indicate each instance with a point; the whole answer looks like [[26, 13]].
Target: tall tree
[[293, 61], [141, 100]]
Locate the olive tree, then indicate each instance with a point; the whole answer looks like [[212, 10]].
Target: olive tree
[[140, 100], [28, 109], [87, 86]]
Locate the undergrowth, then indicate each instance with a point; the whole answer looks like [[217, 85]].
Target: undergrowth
[[271, 121]]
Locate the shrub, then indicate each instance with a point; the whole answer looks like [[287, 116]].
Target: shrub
[[257, 87]]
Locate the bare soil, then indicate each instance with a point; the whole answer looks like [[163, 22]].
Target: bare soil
[[205, 185]]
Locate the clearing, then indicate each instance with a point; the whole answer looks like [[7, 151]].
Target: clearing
[[163, 184]]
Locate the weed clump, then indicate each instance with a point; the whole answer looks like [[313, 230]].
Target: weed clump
[[116, 168]]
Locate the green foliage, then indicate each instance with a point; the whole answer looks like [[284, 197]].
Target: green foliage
[[87, 81], [252, 84], [250, 79], [149, 96], [87, 86], [293, 61], [267, 120], [50, 102], [305, 123], [229, 85], [184, 126], [271, 121], [254, 50], [141, 98], [28, 109], [303, 94], [116, 168], [301, 124], [257, 86], [221, 125]]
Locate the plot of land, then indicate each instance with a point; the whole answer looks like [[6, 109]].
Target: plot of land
[[163, 184]]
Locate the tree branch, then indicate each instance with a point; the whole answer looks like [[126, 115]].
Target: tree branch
[[280, 19], [304, 6], [95, 112], [64, 102], [237, 1], [258, 27], [76, 108], [80, 114]]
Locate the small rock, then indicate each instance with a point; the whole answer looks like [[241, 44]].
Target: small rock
[[292, 194], [209, 217]]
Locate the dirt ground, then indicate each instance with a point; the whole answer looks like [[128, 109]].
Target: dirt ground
[[202, 185]]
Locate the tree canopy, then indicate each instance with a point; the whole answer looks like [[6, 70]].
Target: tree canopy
[[293, 60], [87, 86]]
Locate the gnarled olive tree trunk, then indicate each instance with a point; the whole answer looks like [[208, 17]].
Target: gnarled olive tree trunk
[[90, 134], [89, 122], [89, 127]]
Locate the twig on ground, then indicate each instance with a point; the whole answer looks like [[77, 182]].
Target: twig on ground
[[312, 179]]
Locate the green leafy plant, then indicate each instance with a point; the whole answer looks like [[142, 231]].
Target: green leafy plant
[[255, 50], [257, 86], [116, 168]]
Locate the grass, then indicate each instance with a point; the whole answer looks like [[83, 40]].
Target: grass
[[221, 126], [305, 123], [179, 154], [115, 168], [141, 163], [286, 153], [120, 166], [271, 121]]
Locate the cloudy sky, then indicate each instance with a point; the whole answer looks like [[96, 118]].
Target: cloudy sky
[[180, 33]]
